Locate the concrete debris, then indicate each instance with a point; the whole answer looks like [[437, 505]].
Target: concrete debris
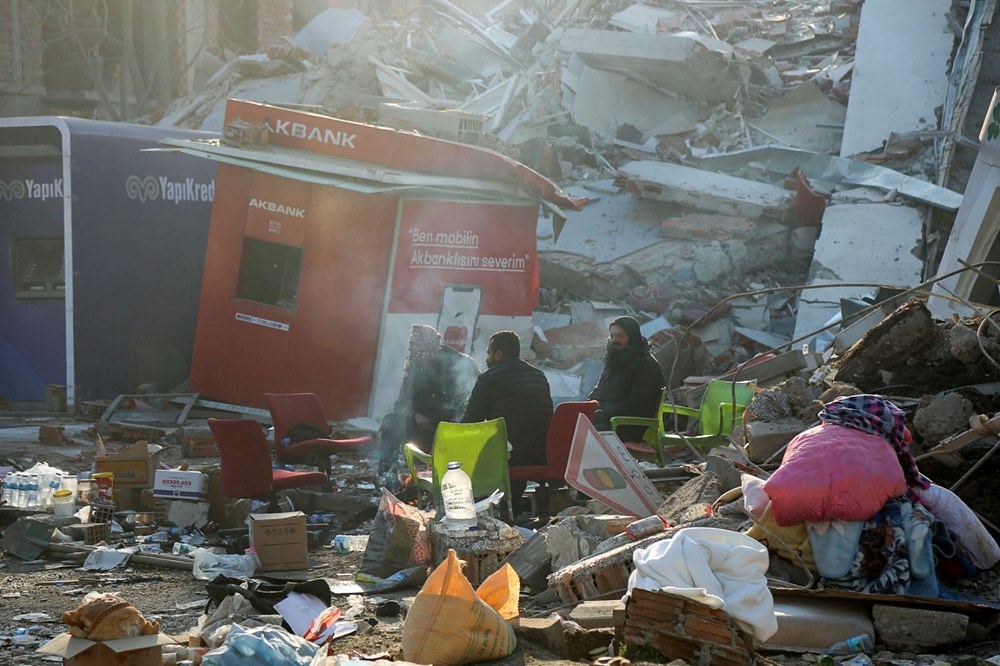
[[899, 97], [942, 416], [839, 258], [731, 153], [917, 630], [695, 67], [708, 191]]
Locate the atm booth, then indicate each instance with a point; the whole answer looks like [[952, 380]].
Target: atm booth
[[329, 239], [105, 244]]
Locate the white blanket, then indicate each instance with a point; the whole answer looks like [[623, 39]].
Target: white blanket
[[718, 568]]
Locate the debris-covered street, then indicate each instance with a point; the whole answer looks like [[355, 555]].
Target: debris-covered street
[[516, 331]]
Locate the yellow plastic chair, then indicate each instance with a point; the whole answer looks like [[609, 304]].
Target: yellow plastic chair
[[716, 416], [482, 449]]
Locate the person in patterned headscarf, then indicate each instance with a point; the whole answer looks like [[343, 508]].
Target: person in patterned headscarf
[[437, 381]]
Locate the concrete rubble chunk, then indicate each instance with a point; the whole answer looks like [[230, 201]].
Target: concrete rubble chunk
[[705, 190], [768, 437], [943, 416], [691, 501], [843, 253], [888, 346], [597, 614], [914, 629], [900, 74], [680, 63]]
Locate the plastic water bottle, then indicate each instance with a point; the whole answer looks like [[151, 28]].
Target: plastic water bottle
[[853, 645], [20, 490], [15, 489], [32, 492], [8, 490], [459, 504], [55, 483]]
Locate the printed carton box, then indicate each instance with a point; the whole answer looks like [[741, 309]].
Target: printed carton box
[[280, 540]]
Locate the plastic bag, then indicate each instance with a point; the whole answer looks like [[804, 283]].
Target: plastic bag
[[270, 646], [449, 623], [399, 539], [208, 565]]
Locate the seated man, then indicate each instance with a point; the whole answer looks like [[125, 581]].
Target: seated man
[[631, 382], [437, 381], [519, 392]]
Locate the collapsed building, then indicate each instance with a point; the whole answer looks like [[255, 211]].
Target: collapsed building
[[774, 199]]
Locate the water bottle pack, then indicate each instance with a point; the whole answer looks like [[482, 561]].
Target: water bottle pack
[[33, 488]]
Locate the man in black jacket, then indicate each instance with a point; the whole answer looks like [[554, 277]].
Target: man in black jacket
[[632, 381], [519, 392]]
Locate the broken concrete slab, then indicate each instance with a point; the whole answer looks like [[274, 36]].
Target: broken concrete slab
[[573, 343], [975, 230], [678, 63], [900, 73], [845, 253], [917, 629], [599, 614], [706, 190], [899, 338], [825, 172], [648, 19], [803, 119], [605, 101]]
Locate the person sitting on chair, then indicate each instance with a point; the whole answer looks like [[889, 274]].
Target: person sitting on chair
[[437, 381], [519, 392], [631, 382]]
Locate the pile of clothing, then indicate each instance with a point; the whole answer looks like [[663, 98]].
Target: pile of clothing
[[849, 503]]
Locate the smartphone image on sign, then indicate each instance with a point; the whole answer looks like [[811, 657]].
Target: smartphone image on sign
[[459, 314]]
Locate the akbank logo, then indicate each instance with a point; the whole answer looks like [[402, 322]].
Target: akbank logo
[[10, 190], [153, 188], [30, 189]]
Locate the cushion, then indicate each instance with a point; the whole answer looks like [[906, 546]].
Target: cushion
[[834, 473]]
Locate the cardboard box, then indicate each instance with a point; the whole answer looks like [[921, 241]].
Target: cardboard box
[[280, 540], [138, 651], [178, 484], [133, 467]]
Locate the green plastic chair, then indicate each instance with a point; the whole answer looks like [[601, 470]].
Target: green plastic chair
[[482, 449], [716, 416]]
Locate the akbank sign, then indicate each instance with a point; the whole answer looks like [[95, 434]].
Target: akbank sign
[[161, 188], [29, 188]]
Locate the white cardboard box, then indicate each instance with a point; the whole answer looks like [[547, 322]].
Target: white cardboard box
[[177, 484]]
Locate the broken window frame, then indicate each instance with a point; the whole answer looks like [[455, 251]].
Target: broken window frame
[[39, 268], [281, 288]]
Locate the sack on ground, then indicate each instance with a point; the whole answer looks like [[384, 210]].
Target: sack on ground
[[399, 539], [450, 624]]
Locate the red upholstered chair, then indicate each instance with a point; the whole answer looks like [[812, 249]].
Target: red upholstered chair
[[558, 441], [246, 462], [291, 409]]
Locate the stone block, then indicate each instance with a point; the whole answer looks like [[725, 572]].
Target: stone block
[[597, 614], [544, 631], [767, 437], [916, 629]]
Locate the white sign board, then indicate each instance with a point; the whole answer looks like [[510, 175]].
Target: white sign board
[[601, 467]]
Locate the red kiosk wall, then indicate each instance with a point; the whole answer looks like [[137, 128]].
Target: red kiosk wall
[[443, 243], [327, 345]]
